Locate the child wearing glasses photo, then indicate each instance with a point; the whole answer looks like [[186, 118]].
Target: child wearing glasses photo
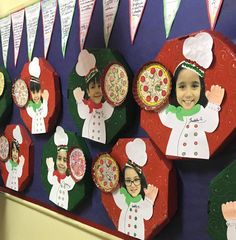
[[135, 197]]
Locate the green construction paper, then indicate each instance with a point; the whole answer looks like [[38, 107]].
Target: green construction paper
[[222, 189]]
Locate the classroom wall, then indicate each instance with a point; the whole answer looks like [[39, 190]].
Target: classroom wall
[[191, 219]]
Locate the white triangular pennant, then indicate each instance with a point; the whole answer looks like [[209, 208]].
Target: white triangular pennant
[[48, 13], [110, 8], [86, 10], [213, 7], [32, 18], [136, 8], [17, 27], [66, 9], [170, 9], [5, 28]]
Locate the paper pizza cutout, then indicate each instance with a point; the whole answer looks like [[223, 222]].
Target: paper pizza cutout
[[41, 112], [4, 148], [20, 93], [222, 202], [17, 170], [219, 76], [100, 119], [105, 172], [152, 86], [5, 96], [156, 174], [64, 169]]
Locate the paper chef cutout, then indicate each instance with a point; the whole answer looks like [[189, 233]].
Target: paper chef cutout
[[199, 49], [5, 27], [86, 8], [136, 8], [170, 9], [17, 27], [92, 110], [189, 120], [48, 14], [32, 17], [109, 14], [213, 7], [136, 152]]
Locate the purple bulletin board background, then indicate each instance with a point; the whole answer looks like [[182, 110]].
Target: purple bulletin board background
[[190, 221]]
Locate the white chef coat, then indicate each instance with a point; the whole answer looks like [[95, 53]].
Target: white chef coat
[[59, 191], [94, 127], [131, 221], [231, 230], [188, 138], [38, 124], [13, 175]]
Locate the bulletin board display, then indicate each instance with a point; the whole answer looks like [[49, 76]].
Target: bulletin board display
[[193, 176]]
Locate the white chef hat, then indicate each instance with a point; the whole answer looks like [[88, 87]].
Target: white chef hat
[[198, 53], [17, 137], [86, 65], [34, 70], [136, 153], [60, 139]]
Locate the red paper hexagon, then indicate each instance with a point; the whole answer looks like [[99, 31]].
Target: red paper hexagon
[[222, 72], [159, 172], [26, 149], [49, 80]]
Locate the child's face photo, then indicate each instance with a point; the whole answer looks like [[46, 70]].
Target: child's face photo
[[14, 153], [95, 92], [36, 96], [61, 161], [188, 89], [132, 182]]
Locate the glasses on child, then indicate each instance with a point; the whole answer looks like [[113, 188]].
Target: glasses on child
[[136, 182]]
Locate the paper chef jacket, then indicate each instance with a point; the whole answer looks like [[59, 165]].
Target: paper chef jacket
[[231, 230], [188, 138], [94, 127], [131, 221]]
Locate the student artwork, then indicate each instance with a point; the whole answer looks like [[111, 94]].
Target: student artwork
[[37, 94], [142, 202], [98, 88], [5, 96], [197, 119], [64, 167], [222, 205], [16, 157]]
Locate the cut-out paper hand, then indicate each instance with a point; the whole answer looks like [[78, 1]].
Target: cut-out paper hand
[[215, 95]]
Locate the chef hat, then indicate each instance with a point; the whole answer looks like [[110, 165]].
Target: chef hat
[[136, 152], [60, 139], [34, 70], [198, 52], [86, 65], [17, 137]]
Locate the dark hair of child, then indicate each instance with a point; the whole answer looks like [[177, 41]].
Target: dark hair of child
[[95, 79], [140, 175], [15, 144], [173, 99], [34, 86]]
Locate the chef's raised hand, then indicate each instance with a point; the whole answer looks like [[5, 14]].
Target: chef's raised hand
[[229, 210], [21, 160], [50, 163], [78, 94], [151, 192], [45, 95], [215, 95]]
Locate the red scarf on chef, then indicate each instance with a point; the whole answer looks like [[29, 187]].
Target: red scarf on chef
[[92, 105], [59, 175]]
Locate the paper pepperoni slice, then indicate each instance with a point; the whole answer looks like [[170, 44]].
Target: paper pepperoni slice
[[4, 148], [115, 84], [20, 93], [105, 173], [2, 83], [152, 86], [76, 164]]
